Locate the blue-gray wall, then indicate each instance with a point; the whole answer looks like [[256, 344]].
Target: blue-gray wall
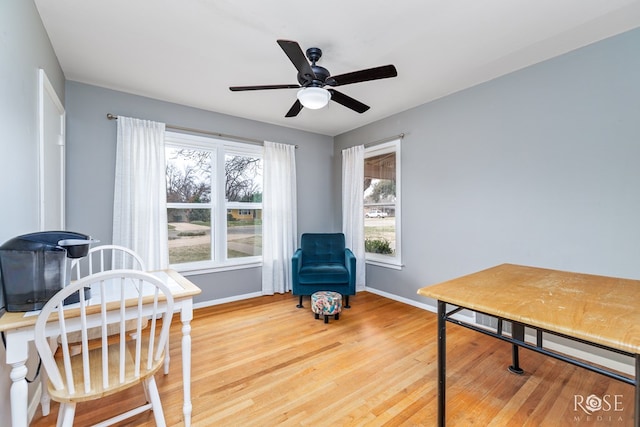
[[24, 49], [539, 167], [91, 146]]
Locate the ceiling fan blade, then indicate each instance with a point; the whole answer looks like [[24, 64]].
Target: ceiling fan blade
[[295, 109], [383, 72], [297, 57], [263, 87], [348, 101]]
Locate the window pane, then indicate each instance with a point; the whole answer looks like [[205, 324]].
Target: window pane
[[244, 232], [243, 176], [188, 175], [189, 235], [380, 204], [243, 183]]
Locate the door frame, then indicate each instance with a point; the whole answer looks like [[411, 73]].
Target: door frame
[[47, 94]]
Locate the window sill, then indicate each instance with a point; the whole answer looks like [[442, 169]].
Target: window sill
[[209, 267], [395, 265]]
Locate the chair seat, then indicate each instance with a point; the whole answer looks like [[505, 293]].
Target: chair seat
[[97, 390], [323, 273]]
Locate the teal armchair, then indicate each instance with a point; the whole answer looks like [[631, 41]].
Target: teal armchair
[[323, 263]]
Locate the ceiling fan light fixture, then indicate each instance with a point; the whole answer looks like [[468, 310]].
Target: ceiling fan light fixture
[[314, 98]]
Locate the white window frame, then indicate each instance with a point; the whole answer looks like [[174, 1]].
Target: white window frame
[[388, 261], [218, 205]]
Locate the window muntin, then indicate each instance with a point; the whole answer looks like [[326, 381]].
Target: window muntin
[[382, 203], [214, 202]]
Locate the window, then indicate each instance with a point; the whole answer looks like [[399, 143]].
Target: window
[[214, 202], [382, 204]]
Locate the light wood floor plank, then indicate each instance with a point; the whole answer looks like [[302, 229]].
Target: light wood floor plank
[[263, 362]]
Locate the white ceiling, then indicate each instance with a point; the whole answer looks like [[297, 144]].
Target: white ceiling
[[190, 51]]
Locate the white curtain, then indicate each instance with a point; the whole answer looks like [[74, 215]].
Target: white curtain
[[353, 207], [279, 217], [140, 200]]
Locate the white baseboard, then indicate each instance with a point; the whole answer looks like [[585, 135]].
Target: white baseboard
[[401, 299], [464, 315], [226, 300]]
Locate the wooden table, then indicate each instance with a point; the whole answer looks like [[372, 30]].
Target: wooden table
[[600, 311], [19, 331]]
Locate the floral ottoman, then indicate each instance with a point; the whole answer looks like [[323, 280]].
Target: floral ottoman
[[326, 303]]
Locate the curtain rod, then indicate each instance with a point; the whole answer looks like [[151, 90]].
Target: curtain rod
[[204, 132], [382, 141]]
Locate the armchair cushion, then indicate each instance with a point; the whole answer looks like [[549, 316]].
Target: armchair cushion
[[330, 272]]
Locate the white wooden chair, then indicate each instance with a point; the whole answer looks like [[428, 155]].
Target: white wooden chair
[[119, 361], [106, 257], [98, 259], [110, 257]]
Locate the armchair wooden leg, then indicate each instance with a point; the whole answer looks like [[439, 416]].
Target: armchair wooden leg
[[300, 303], [346, 301]]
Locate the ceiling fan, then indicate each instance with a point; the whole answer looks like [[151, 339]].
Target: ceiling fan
[[312, 79]]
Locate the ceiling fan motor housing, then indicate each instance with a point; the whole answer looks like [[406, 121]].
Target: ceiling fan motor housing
[[321, 75], [314, 54]]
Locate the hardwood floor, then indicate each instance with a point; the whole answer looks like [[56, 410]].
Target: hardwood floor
[[263, 362]]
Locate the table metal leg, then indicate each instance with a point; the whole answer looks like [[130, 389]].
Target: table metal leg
[[442, 358], [517, 333], [636, 412]]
